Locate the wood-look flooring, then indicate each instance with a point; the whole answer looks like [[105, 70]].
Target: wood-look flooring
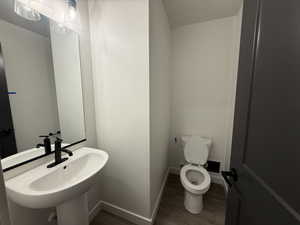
[[172, 212]]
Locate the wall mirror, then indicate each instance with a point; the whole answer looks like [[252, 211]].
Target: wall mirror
[[40, 82]]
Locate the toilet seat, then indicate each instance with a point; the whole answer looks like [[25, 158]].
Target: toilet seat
[[188, 185]]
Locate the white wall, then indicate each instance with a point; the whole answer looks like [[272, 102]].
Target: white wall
[[88, 92], [160, 44], [29, 72], [203, 79], [87, 74], [236, 54], [119, 39], [67, 73]]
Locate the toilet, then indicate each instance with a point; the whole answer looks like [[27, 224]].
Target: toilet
[[194, 177]]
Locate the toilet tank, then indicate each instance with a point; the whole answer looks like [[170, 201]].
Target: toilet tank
[[196, 149]]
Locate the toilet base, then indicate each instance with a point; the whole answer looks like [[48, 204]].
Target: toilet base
[[193, 203]]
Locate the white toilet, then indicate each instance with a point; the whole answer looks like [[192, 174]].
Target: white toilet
[[194, 177]]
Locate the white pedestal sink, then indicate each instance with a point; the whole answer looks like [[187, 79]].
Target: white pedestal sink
[[63, 186]]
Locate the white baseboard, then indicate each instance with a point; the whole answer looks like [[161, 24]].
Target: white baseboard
[[94, 211], [126, 214], [118, 211], [158, 199], [216, 178]]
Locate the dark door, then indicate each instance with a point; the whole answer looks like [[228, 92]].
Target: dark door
[[266, 137], [7, 137]]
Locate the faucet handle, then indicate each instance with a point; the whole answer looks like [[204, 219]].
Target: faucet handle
[[57, 146]]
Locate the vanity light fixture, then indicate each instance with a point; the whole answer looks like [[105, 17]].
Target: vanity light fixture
[[63, 12], [23, 10]]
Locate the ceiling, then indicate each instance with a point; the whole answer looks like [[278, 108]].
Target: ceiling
[[7, 14], [184, 12], [180, 12]]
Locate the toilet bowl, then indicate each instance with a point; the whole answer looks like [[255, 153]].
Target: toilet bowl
[[194, 177], [196, 182]]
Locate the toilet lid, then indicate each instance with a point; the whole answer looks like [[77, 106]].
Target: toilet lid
[[196, 150]]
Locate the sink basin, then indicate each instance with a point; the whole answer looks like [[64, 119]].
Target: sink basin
[[62, 186], [68, 175]]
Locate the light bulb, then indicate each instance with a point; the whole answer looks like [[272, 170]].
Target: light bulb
[[72, 9], [26, 12], [72, 13]]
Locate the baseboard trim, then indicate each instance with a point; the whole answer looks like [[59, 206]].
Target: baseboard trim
[[216, 178], [158, 199], [94, 211], [118, 211], [126, 214]]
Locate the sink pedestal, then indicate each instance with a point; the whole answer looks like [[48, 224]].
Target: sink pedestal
[[64, 186], [73, 212]]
